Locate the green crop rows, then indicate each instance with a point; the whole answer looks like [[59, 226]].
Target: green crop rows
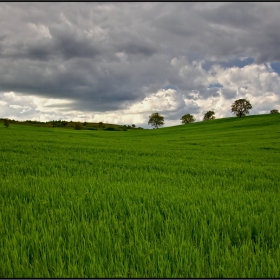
[[197, 200]]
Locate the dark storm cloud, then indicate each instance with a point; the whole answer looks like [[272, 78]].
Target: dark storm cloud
[[63, 44], [252, 29], [138, 48], [70, 44], [234, 15], [105, 56], [37, 52]]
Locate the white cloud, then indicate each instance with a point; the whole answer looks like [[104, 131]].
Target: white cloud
[[243, 58], [39, 30], [15, 106], [24, 108], [256, 78], [163, 100]]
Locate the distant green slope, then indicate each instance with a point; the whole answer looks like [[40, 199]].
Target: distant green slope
[[228, 123]]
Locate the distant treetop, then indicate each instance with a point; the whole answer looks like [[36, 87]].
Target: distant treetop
[[241, 107], [188, 118], [156, 120], [209, 116]]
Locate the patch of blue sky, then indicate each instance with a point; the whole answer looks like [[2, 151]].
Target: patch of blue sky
[[276, 67], [236, 62], [215, 86], [169, 87], [194, 56]]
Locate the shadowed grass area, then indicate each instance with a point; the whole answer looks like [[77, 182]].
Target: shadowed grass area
[[196, 200]]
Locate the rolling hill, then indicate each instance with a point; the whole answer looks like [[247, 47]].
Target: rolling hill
[[197, 200]]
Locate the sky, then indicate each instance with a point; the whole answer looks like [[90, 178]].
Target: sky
[[120, 62]]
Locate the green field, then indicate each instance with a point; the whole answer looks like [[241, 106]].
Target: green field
[[196, 200]]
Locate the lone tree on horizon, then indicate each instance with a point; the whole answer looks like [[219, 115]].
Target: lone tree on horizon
[[6, 123], [274, 111], [209, 116], [64, 123], [188, 118], [78, 126], [241, 107], [156, 120]]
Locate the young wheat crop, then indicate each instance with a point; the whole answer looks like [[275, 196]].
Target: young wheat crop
[[198, 200]]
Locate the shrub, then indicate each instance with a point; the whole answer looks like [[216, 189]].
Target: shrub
[[6, 123], [111, 128], [78, 126], [64, 123]]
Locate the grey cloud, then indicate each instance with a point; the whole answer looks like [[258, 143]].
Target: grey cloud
[[229, 93], [234, 15], [38, 53], [213, 92], [62, 45], [79, 60], [192, 108], [270, 39], [72, 44], [251, 29], [138, 48]]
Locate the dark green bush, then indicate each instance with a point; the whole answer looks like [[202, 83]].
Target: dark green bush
[[78, 126], [111, 128], [6, 122]]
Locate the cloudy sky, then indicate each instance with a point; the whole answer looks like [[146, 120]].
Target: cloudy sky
[[120, 62]]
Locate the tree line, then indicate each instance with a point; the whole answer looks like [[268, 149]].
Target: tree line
[[70, 124], [240, 108]]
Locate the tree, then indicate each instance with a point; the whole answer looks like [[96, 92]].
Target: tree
[[6, 123], [209, 116], [241, 107], [274, 111], [133, 126], [242, 115], [78, 126], [188, 118], [156, 120], [64, 123], [123, 127]]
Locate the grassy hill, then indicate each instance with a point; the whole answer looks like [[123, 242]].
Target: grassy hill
[[196, 200], [72, 125]]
